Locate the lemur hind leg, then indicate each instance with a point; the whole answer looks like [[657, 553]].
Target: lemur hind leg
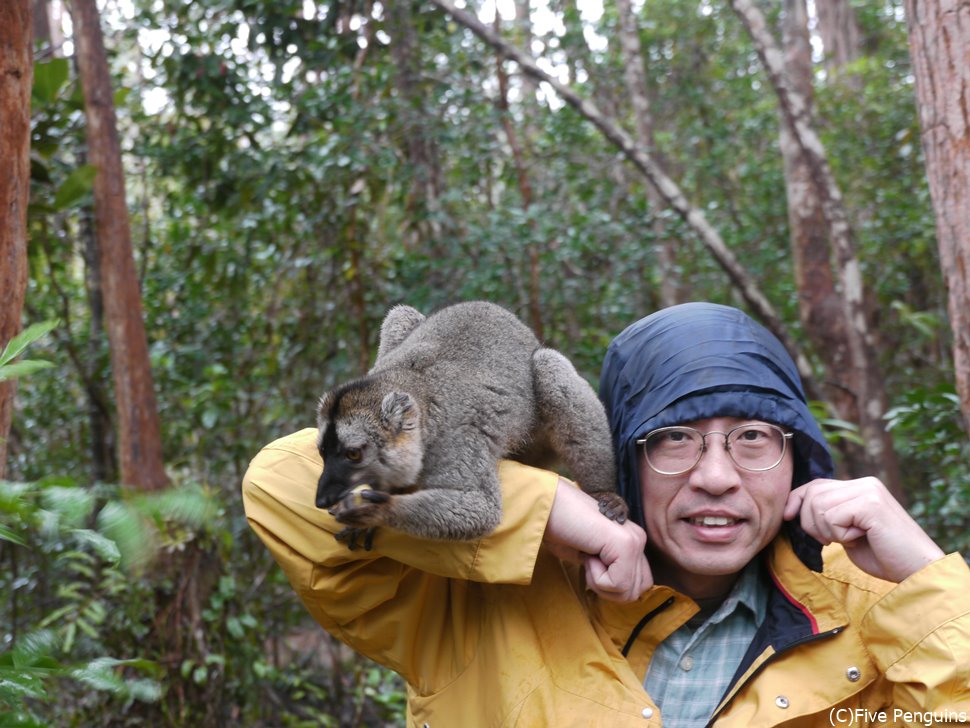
[[574, 421]]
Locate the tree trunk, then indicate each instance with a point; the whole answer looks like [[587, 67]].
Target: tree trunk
[[422, 153], [864, 368], [819, 303], [636, 86], [523, 29], [103, 436], [48, 36], [669, 191], [839, 30], [16, 78], [524, 183], [139, 437], [939, 39]]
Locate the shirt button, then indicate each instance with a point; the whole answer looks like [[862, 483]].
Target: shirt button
[[687, 663], [781, 701], [647, 712], [853, 673]]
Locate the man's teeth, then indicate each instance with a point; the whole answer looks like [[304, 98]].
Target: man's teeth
[[713, 521]]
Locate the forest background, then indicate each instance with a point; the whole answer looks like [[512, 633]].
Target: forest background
[[222, 212]]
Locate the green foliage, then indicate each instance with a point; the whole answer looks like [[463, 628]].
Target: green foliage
[[17, 345], [833, 428], [928, 431], [62, 581]]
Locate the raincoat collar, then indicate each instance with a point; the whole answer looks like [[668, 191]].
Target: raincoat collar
[[701, 360]]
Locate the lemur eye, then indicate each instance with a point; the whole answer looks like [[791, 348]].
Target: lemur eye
[[353, 454]]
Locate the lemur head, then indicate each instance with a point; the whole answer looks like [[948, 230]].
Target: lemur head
[[367, 435]]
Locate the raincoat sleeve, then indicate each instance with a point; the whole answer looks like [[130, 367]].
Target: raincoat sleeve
[[406, 593], [919, 635]]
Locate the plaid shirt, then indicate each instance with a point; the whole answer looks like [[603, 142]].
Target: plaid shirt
[[691, 669]]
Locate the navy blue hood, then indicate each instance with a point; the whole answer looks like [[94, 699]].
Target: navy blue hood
[[701, 360]]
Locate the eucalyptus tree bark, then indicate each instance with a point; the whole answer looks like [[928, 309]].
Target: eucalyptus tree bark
[[819, 304], [16, 77], [864, 367], [636, 86], [672, 195], [939, 40], [139, 433]]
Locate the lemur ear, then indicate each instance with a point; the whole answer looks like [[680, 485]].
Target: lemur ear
[[399, 412], [323, 409]]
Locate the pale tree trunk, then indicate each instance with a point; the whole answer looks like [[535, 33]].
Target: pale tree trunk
[[422, 152], [864, 368], [839, 31], [939, 39], [523, 27], [48, 35], [672, 195], [519, 144], [139, 436], [16, 77], [525, 184], [819, 303], [636, 86]]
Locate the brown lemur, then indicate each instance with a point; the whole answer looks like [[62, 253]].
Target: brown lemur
[[448, 396]]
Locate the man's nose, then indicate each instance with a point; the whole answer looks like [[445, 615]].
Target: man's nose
[[715, 472]]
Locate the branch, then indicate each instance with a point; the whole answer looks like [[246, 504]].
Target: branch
[[668, 189]]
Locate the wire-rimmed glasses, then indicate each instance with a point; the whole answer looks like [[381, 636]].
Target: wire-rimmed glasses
[[753, 446]]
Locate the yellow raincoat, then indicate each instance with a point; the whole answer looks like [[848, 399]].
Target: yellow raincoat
[[498, 632]]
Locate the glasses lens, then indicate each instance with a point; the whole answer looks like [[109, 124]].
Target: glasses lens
[[756, 446], [673, 450]]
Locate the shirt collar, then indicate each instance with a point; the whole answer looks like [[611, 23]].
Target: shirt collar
[[749, 591]]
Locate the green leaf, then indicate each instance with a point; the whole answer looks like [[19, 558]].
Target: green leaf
[[16, 346], [32, 649], [102, 545], [7, 535], [72, 505], [77, 185], [135, 537], [22, 368], [49, 79]]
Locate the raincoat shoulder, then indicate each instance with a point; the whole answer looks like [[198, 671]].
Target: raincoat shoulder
[[491, 632]]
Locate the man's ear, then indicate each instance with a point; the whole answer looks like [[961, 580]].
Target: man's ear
[[399, 412]]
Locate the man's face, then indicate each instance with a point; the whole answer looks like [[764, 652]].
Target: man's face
[[705, 525]]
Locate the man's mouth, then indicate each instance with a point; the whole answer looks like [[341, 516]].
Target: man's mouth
[[711, 521]]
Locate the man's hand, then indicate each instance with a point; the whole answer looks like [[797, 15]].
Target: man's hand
[[879, 535], [612, 553]]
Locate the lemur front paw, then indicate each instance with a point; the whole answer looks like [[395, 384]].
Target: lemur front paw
[[612, 506], [362, 512], [361, 509]]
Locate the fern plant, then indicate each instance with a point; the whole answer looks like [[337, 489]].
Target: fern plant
[[47, 520]]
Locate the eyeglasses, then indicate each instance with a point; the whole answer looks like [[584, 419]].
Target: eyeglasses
[[754, 446]]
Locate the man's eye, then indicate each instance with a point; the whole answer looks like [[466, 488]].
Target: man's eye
[[353, 454]]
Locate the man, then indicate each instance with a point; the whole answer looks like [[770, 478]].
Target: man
[[724, 610]]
